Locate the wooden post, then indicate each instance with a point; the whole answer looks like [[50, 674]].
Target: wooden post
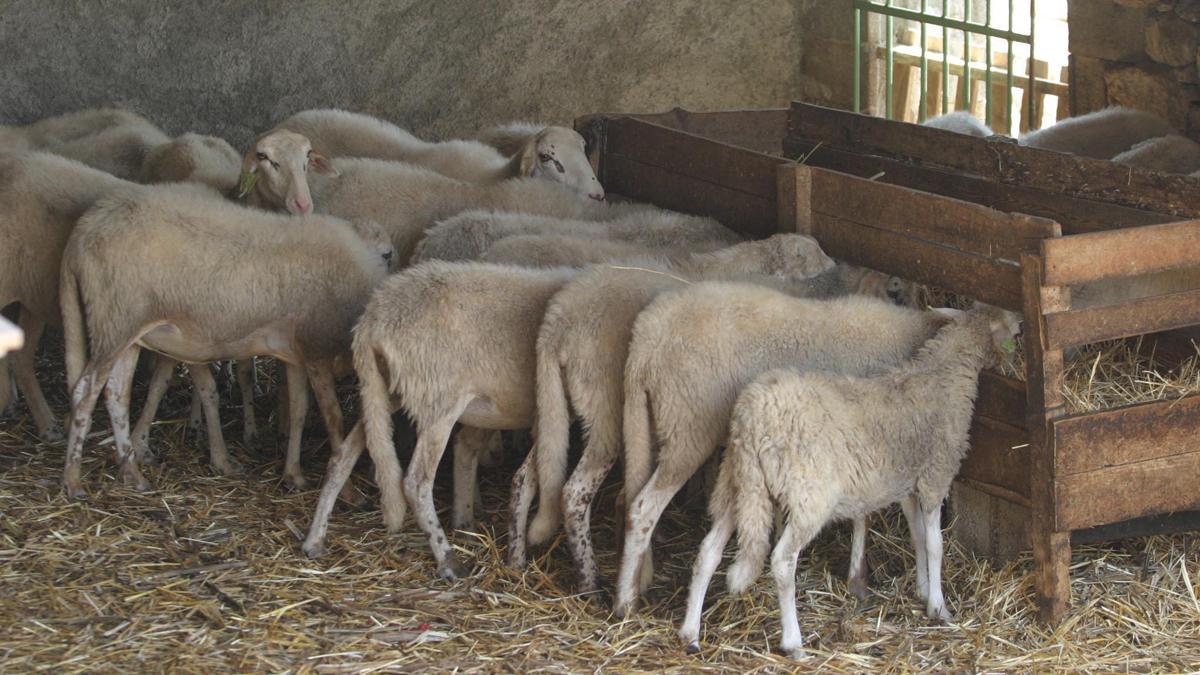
[[1044, 375], [794, 196]]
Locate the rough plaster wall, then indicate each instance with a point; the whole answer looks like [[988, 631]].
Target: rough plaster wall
[[438, 67]]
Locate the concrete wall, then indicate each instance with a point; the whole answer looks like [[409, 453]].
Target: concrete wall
[[440, 68]]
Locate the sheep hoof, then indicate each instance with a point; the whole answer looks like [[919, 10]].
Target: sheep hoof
[[228, 468], [51, 434], [75, 493], [314, 550], [517, 559], [295, 481], [692, 647], [939, 613], [797, 654], [353, 498], [453, 570], [133, 479], [858, 588], [622, 610]]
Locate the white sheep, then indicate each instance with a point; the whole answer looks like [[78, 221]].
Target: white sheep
[[1166, 154], [692, 350], [43, 196], [193, 158], [1102, 134], [824, 447], [118, 150], [265, 284], [450, 343], [67, 127], [581, 349], [553, 153], [468, 235], [960, 122], [509, 138]]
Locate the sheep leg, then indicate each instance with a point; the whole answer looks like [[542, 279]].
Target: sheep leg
[[164, 367], [469, 444], [418, 486], [916, 531], [196, 407], [702, 572], [244, 371], [578, 494], [218, 453], [524, 485], [297, 385], [6, 386], [783, 564], [116, 399], [856, 579], [23, 371], [325, 391], [337, 474], [636, 566], [83, 402], [935, 606]]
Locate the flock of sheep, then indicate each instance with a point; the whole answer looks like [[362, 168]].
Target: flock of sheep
[[487, 285]]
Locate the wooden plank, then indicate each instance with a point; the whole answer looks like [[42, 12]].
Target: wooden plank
[[971, 275], [999, 456], [960, 224], [1002, 399], [1127, 319], [746, 214], [1076, 215], [761, 130], [794, 198], [1121, 253], [993, 159], [1114, 494], [690, 155], [1099, 440], [1163, 523]]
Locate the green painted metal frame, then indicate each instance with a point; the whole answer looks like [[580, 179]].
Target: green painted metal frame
[[863, 8]]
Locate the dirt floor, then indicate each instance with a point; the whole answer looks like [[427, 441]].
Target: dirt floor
[[206, 574]]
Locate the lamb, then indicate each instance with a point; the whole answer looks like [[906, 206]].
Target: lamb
[[581, 349], [468, 235], [193, 158], [1166, 154], [43, 197], [692, 351], [451, 343], [960, 122], [825, 447], [406, 199], [560, 251], [275, 172], [511, 137], [119, 150], [67, 127], [267, 285], [1102, 134], [553, 153]]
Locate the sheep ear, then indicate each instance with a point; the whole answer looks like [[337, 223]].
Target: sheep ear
[[529, 159], [321, 164]]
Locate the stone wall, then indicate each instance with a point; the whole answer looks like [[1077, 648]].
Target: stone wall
[[438, 68], [1137, 53]]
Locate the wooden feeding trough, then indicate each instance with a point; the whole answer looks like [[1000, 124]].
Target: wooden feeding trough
[[986, 219]]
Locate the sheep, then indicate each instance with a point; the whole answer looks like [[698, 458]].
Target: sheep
[[119, 150], [451, 343], [1166, 154], [67, 127], [509, 138], [275, 170], [960, 122], [406, 199], [1102, 134], [553, 153], [468, 235], [43, 196], [825, 446], [560, 251], [265, 284], [581, 348], [193, 158], [690, 353]]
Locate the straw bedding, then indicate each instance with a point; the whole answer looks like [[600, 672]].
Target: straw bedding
[[206, 574]]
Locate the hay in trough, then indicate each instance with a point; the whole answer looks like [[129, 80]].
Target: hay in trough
[[206, 574]]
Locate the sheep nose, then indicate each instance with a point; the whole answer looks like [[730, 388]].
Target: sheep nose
[[301, 207], [387, 256], [598, 196]]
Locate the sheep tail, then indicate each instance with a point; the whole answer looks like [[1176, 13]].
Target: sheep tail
[[377, 423], [552, 437], [638, 440], [754, 514], [74, 332]]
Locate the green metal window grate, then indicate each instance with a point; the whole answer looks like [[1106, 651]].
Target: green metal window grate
[[998, 39]]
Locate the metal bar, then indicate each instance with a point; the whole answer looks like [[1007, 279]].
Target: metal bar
[[966, 76], [987, 62], [1008, 87], [890, 65], [1034, 122], [945, 60], [921, 100], [858, 47], [911, 15]]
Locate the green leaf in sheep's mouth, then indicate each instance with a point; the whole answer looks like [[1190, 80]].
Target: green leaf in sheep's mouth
[[1009, 345], [246, 183]]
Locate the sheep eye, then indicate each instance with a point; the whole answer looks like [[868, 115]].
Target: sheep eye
[[544, 157], [262, 156]]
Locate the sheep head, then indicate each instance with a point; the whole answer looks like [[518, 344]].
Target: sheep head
[[276, 169]]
